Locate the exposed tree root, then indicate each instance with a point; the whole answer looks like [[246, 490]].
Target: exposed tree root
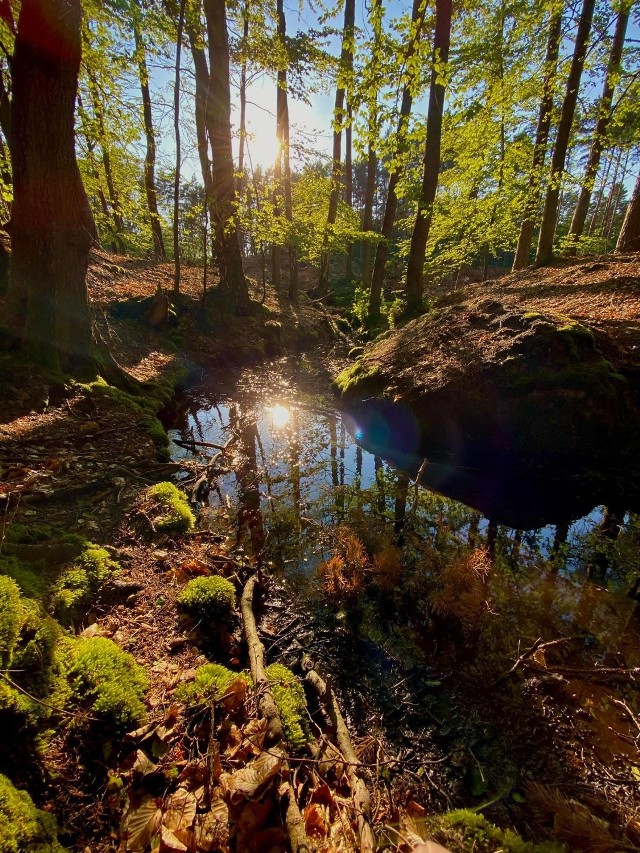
[[269, 710], [359, 790]]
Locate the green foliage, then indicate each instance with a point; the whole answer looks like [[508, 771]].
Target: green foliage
[[23, 827], [353, 375], [210, 683], [174, 514], [465, 831], [288, 695], [207, 598], [72, 592], [107, 681], [31, 581], [11, 615]]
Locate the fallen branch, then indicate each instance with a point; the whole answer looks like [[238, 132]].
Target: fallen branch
[[359, 790], [269, 710], [191, 442], [537, 646]]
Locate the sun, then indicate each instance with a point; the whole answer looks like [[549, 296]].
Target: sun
[[280, 415]]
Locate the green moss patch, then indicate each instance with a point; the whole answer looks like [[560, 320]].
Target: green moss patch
[[288, 695], [210, 684], [354, 377], [107, 681], [169, 509], [73, 591], [207, 598], [11, 614], [465, 831], [23, 827]]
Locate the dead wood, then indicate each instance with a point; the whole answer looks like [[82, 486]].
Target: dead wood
[[269, 710], [359, 791], [535, 647]]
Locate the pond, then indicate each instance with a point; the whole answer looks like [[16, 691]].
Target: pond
[[300, 468]]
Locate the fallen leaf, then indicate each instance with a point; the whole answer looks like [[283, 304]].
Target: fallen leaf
[[212, 829], [316, 820], [246, 782], [143, 765], [169, 843], [180, 810], [141, 825]]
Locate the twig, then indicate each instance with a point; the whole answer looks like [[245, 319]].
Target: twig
[[532, 650], [46, 704]]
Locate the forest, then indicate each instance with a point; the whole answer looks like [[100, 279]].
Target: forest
[[319, 426]]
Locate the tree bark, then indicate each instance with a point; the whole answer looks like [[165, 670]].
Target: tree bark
[[348, 183], [346, 63], [629, 238], [233, 283], [391, 203], [176, 183], [602, 123], [441, 41], [527, 226], [52, 226], [150, 154], [544, 252]]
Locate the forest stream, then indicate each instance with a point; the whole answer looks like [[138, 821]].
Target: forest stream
[[421, 608]]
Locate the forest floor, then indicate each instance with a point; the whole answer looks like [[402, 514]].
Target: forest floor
[[74, 458]]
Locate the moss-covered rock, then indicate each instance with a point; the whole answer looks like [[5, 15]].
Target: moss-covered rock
[[465, 831], [23, 827], [488, 387], [207, 599], [170, 508], [72, 593], [107, 681]]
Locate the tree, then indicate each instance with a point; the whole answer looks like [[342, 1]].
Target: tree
[[532, 196], [391, 204], [346, 64], [544, 251], [420, 235], [629, 238], [176, 126], [223, 199], [150, 154], [52, 227], [602, 123]]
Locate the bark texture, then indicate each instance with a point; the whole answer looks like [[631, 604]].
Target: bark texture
[[525, 238], [52, 226], [602, 123], [629, 239], [420, 235], [544, 251]]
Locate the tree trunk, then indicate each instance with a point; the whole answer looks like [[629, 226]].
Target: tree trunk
[[391, 203], [629, 238], [599, 134], [367, 215], [441, 41], [348, 184], [176, 183], [284, 149], [525, 237], [346, 64], [243, 101], [150, 154], [233, 283], [52, 226], [544, 252]]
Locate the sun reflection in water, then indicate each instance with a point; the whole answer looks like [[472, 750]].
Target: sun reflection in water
[[280, 415]]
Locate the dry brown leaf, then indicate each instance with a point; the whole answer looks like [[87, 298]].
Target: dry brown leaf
[[194, 567], [234, 739], [316, 820], [255, 732], [141, 825], [245, 783], [170, 843], [212, 829], [143, 765], [234, 695], [180, 810]]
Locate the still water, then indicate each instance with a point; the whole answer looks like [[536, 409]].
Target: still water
[[293, 468]]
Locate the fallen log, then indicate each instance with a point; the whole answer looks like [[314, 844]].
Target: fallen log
[[269, 710], [359, 791]]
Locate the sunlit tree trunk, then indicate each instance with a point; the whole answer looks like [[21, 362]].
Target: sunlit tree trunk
[[176, 127], [391, 203], [420, 235], [373, 131], [346, 62], [52, 226], [150, 154], [243, 101], [348, 184], [233, 283], [544, 251], [527, 226], [629, 238], [602, 123]]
